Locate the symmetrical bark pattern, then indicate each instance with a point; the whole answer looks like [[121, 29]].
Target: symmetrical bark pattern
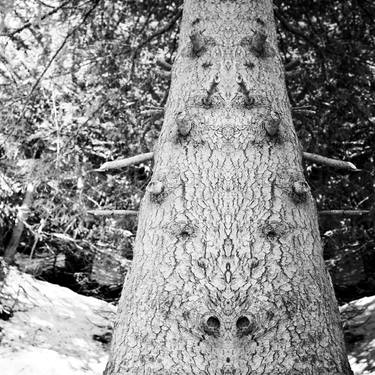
[[228, 276]]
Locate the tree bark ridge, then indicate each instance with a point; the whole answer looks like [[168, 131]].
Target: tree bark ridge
[[228, 275]]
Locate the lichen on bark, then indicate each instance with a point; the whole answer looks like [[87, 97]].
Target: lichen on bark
[[228, 275]]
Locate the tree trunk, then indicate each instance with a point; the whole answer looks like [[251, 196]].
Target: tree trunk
[[228, 275], [22, 215]]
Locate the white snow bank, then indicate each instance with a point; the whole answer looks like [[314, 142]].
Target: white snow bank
[[359, 324], [51, 330]]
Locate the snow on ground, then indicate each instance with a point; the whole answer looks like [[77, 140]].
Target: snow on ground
[[359, 324], [51, 330]]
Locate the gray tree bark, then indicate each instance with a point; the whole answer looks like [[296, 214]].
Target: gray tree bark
[[228, 275]]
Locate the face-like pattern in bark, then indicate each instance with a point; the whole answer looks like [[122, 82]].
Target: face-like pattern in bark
[[228, 274]]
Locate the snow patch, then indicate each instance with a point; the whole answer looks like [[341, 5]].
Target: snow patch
[[51, 330], [359, 326]]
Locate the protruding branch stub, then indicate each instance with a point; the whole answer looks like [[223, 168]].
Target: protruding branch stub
[[300, 190], [184, 124], [186, 230], [156, 190], [250, 100], [207, 100], [198, 45], [272, 124], [199, 42], [257, 44], [274, 229], [181, 228]]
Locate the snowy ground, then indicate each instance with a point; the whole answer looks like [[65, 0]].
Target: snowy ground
[[51, 331], [359, 321]]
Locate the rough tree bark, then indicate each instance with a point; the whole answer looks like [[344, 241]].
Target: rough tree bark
[[228, 275]]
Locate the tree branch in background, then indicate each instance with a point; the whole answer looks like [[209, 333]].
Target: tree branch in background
[[153, 112], [340, 164], [122, 163], [29, 23], [295, 30], [344, 212], [161, 31], [291, 65], [112, 212], [22, 215], [293, 73], [54, 56], [303, 111], [164, 65]]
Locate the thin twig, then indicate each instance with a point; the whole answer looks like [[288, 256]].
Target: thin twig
[[291, 65], [161, 31], [164, 65], [163, 73], [29, 23], [293, 73], [344, 212], [303, 111], [153, 112], [53, 58], [295, 30]]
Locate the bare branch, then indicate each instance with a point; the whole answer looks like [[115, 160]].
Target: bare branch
[[293, 73], [162, 30], [112, 212], [122, 163], [344, 212], [164, 65], [29, 23], [163, 73], [50, 62], [153, 112], [303, 111], [329, 162], [9, 68], [68, 35], [291, 65], [319, 159], [295, 30]]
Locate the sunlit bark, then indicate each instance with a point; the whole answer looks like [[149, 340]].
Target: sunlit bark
[[228, 275]]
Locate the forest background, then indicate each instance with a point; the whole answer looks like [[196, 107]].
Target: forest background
[[84, 82]]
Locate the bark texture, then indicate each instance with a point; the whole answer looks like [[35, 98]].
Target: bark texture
[[228, 276]]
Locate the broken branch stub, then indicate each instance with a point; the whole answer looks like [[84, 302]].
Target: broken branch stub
[[155, 188], [300, 191], [272, 124], [122, 163], [335, 163], [183, 124]]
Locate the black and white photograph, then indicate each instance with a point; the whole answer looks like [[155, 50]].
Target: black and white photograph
[[187, 187]]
